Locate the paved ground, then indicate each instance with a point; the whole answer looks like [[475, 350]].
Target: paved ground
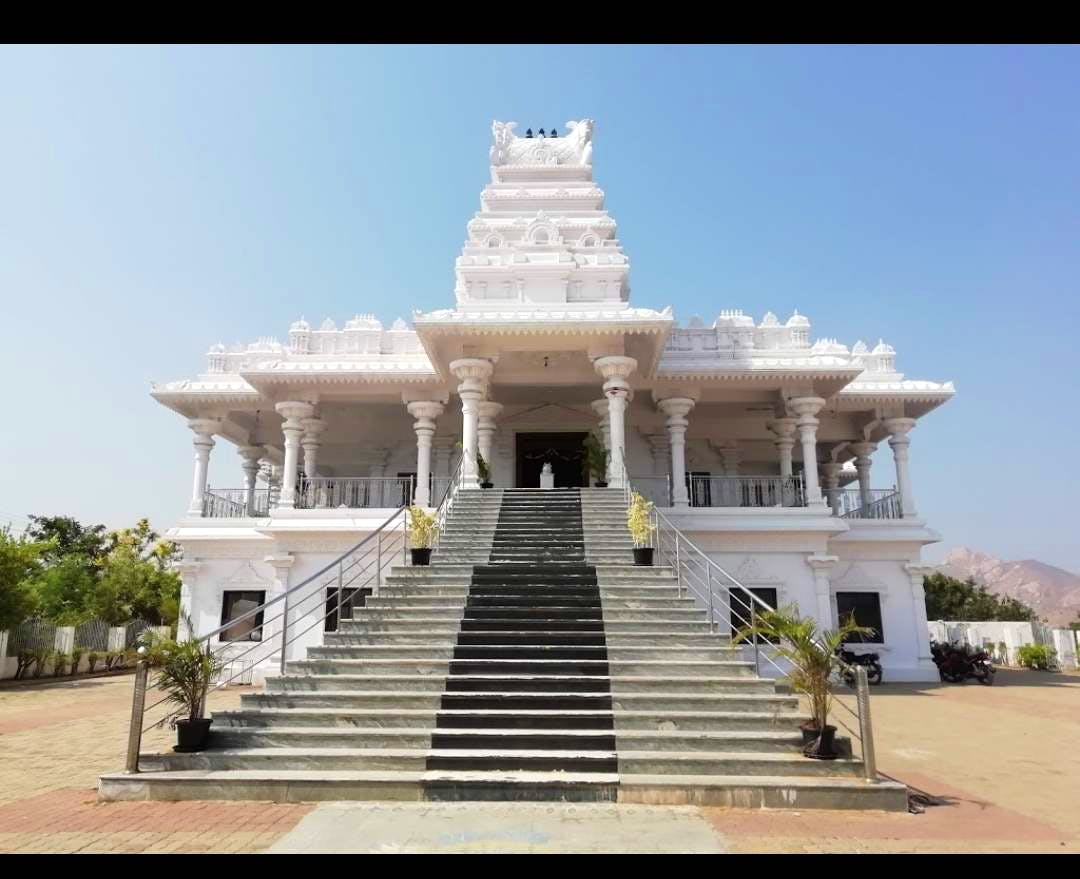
[[1002, 761]]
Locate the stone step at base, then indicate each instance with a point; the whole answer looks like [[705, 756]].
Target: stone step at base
[[762, 792], [748, 742], [313, 786], [543, 666]]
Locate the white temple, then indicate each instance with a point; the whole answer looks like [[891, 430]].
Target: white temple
[[756, 439]]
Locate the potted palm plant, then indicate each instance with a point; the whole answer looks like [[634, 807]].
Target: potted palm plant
[[484, 471], [184, 670], [641, 528], [596, 459], [422, 531], [812, 653]]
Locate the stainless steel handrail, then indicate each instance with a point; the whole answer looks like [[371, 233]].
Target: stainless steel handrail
[[683, 552], [446, 504], [368, 557]]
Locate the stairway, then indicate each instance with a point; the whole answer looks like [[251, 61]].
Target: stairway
[[531, 661]]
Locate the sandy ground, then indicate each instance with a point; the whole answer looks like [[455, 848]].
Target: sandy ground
[[1001, 763]]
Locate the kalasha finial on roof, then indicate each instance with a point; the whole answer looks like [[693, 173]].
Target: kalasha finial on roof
[[554, 133], [541, 132], [528, 132]]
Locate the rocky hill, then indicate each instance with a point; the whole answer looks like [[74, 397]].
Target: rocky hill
[[1053, 592]]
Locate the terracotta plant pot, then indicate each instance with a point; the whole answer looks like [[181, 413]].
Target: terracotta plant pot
[[643, 556], [192, 735], [421, 557]]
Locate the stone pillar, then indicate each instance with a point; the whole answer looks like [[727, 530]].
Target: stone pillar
[[485, 429], [425, 412], [830, 474], [276, 621], [863, 451], [898, 429], [443, 447], [660, 447], [204, 429], [784, 428], [821, 566], [916, 572], [189, 573], [807, 408], [730, 458], [250, 466], [603, 412], [313, 428], [293, 428], [676, 409], [615, 369], [473, 373]]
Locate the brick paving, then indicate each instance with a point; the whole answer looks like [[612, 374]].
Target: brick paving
[[1002, 761]]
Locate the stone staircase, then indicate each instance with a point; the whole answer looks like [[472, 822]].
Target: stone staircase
[[531, 661]]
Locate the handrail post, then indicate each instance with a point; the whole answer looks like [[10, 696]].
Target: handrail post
[[206, 685], [285, 628], [378, 564], [753, 625], [866, 729], [138, 705], [678, 564], [712, 620], [340, 590]]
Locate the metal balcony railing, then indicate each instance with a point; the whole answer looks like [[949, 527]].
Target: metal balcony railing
[[354, 492], [880, 504], [235, 503], [747, 491]]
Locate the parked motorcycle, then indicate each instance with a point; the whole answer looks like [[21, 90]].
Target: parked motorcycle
[[958, 662], [870, 661]]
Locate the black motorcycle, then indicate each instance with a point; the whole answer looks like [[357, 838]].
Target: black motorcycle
[[869, 661], [958, 662]]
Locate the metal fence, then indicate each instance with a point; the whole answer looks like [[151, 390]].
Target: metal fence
[[92, 635], [31, 635], [39, 634]]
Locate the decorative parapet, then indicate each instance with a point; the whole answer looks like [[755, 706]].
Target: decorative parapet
[[363, 338], [574, 148]]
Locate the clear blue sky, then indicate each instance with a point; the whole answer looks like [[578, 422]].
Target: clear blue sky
[[156, 200]]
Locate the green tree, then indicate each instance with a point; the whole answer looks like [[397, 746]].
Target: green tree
[[948, 598], [68, 537], [66, 591], [137, 577], [19, 562]]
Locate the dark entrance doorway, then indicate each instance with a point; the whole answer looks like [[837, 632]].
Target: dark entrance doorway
[[564, 451]]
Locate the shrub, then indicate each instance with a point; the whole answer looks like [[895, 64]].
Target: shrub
[[596, 457], [811, 651], [184, 670], [76, 657], [60, 663], [93, 657], [422, 528], [41, 656], [638, 522], [24, 660], [1038, 656]]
